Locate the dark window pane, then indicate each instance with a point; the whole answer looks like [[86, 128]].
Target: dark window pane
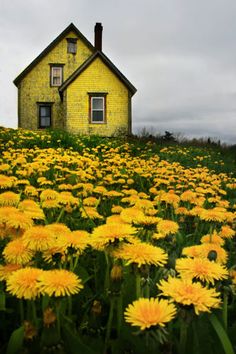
[[45, 111], [71, 47], [56, 80], [45, 122], [97, 116], [97, 103], [44, 116]]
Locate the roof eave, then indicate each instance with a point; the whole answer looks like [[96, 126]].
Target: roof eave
[[107, 61], [69, 28]]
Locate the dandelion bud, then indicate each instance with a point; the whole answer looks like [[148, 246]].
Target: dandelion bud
[[96, 308], [116, 272], [30, 330], [49, 317]]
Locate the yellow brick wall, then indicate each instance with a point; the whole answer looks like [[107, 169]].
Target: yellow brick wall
[[97, 78], [35, 86]]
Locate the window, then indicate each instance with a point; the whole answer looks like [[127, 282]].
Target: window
[[97, 109], [56, 75], [71, 45], [45, 115]]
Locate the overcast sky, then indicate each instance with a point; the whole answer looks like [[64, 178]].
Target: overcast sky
[[179, 54]]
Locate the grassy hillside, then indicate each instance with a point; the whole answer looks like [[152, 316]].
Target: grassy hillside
[[119, 245]]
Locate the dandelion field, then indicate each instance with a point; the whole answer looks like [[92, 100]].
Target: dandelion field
[[113, 246]]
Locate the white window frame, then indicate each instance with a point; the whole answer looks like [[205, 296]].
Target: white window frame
[[60, 76], [97, 110]]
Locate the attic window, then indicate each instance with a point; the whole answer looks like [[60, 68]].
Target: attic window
[[56, 74], [71, 45]]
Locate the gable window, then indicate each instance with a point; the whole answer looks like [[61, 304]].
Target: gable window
[[56, 75], [45, 115], [97, 109], [71, 45]]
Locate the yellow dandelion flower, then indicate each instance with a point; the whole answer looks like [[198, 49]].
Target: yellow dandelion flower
[[9, 199], [58, 229], [113, 194], [185, 292], [31, 209], [115, 219], [4, 213], [78, 240], [137, 217], [167, 227], [38, 238], [18, 220], [49, 194], [7, 270], [203, 251], [105, 234], [90, 213], [116, 209], [170, 198], [23, 283], [129, 215], [146, 313], [144, 204], [17, 252], [5, 182], [100, 190], [66, 198], [91, 201], [227, 232], [132, 199], [31, 191], [188, 196], [212, 215], [181, 211], [157, 236], [130, 192], [196, 211], [201, 269], [51, 203], [212, 238], [59, 282], [141, 253]]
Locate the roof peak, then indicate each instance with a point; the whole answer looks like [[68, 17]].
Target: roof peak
[[70, 27]]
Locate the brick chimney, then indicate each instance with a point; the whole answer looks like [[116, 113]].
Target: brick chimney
[[98, 36]]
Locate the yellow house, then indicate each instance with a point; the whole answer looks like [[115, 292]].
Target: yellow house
[[72, 85]]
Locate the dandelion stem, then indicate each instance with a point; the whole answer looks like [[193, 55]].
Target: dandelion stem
[[76, 262], [58, 319], [109, 323], [21, 304], [107, 276], [69, 306], [60, 215], [225, 310], [183, 336], [138, 285], [34, 313], [119, 313]]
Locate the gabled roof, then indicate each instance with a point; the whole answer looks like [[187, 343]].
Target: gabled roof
[[68, 29], [107, 62]]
